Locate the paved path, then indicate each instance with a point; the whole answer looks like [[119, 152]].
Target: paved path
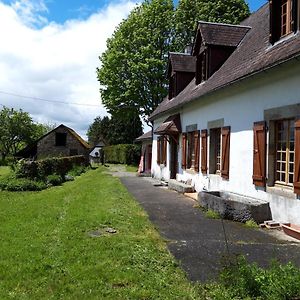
[[199, 243]]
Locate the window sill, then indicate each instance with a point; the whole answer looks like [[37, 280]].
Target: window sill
[[281, 191], [284, 38]]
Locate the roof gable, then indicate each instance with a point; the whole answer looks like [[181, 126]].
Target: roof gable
[[219, 34]]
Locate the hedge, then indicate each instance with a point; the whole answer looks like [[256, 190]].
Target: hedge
[[122, 154], [40, 169]]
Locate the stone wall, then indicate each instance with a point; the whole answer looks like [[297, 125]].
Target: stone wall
[[46, 147]]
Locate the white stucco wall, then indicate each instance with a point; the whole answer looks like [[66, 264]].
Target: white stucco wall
[[240, 106]]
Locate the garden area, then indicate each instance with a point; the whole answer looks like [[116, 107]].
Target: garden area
[[89, 239]]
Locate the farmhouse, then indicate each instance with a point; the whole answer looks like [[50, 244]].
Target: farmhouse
[[234, 127], [61, 141]]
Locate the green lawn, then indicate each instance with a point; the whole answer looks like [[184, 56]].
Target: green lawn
[[47, 253]]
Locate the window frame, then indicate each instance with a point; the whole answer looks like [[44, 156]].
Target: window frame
[[215, 151], [162, 148], [287, 152]]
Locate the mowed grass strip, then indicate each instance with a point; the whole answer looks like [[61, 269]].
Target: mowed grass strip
[[47, 253]]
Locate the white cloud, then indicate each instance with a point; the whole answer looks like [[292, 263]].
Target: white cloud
[[55, 61]]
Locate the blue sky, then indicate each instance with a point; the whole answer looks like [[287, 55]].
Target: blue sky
[[62, 10], [50, 48]]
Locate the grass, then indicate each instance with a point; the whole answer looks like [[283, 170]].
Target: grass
[[131, 168], [251, 224], [4, 171], [211, 214], [46, 251]]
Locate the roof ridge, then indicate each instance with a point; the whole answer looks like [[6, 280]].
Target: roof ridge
[[224, 24]]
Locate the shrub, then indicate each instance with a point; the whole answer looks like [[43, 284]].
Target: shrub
[[77, 170], [54, 179], [39, 170], [21, 184], [123, 154]]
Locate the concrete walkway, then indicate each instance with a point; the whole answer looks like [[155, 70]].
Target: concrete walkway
[[199, 243]]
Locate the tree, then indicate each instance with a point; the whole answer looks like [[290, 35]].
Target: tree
[[99, 130], [133, 68], [189, 12], [132, 72], [16, 128], [115, 131]]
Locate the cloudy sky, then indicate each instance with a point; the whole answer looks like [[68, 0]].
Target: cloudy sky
[[49, 53]]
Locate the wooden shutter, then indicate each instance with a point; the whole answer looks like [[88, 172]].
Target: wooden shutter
[[164, 151], [225, 133], [259, 153], [297, 158], [196, 151], [183, 157], [204, 151], [275, 11], [158, 150]]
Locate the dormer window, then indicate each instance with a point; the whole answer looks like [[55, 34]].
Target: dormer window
[[286, 17], [283, 18]]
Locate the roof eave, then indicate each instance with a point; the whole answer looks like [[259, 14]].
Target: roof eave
[[278, 63]]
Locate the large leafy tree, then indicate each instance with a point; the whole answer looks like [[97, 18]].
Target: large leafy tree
[[189, 12], [16, 129], [132, 73], [115, 130], [133, 68]]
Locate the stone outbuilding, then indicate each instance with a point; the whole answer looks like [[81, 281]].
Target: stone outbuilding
[[61, 141]]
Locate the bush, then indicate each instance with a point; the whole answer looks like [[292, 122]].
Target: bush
[[77, 171], [54, 179], [123, 154], [248, 281], [39, 170], [21, 184]]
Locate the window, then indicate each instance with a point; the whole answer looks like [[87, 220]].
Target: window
[[60, 139], [190, 150], [285, 152], [162, 150], [286, 17], [215, 151], [219, 151], [74, 152]]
